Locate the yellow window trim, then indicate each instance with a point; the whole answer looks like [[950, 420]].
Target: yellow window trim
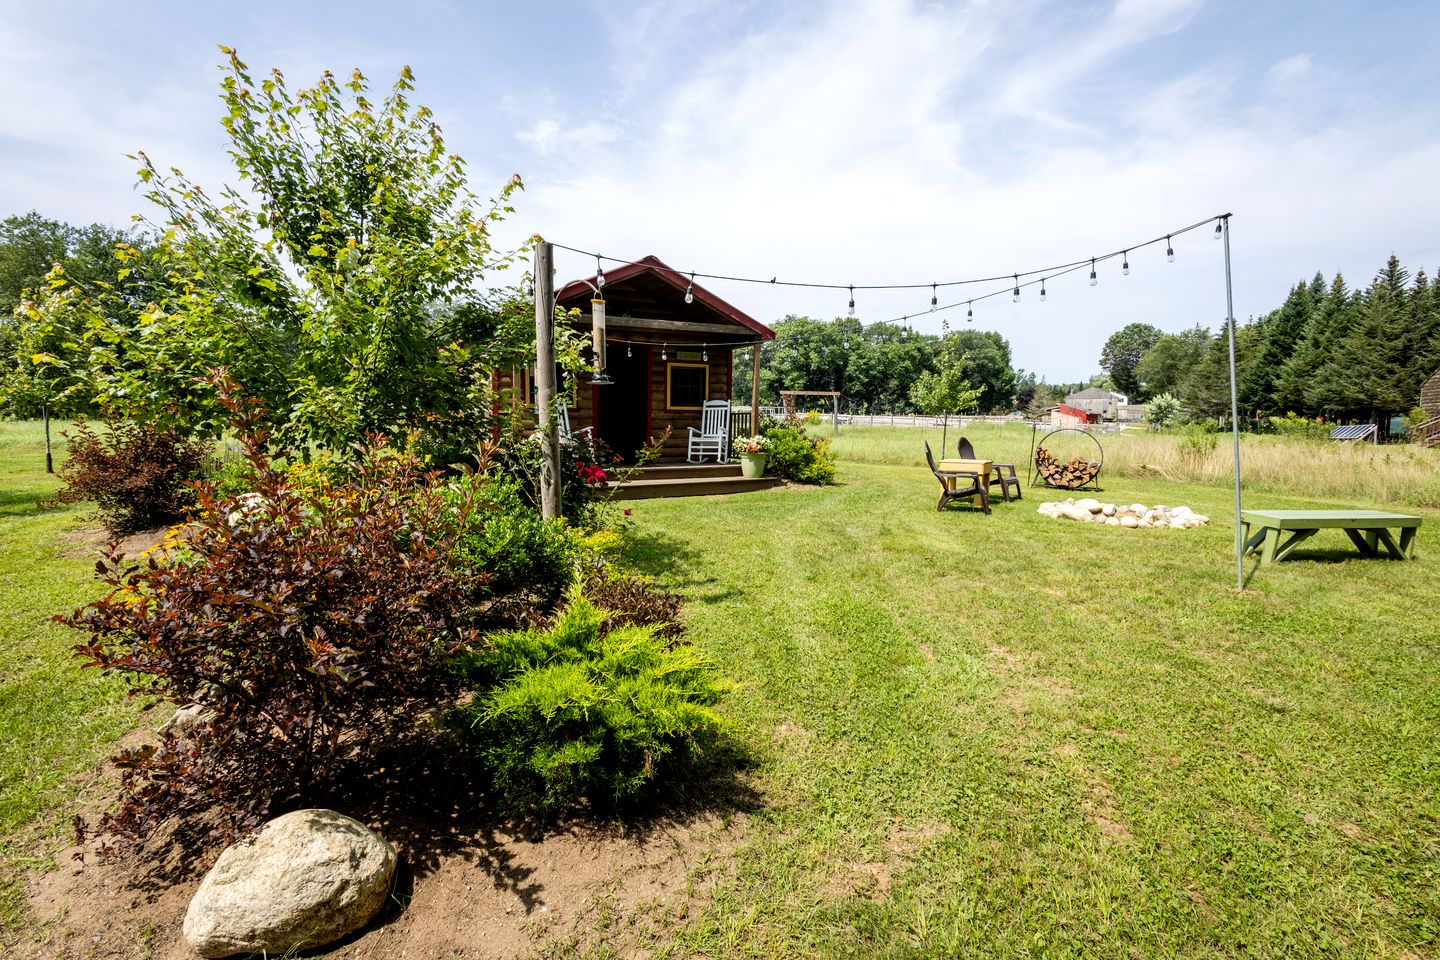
[[671, 366]]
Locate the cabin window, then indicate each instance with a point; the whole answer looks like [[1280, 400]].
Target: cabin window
[[687, 385]]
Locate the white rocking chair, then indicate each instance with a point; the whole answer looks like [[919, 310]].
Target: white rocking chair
[[566, 434], [713, 437]]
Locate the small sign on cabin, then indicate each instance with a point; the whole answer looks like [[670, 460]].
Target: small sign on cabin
[[687, 354]]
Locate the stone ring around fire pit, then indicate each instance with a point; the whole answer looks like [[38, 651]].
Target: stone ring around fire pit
[[1133, 516]]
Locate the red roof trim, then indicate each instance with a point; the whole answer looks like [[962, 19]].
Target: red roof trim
[[676, 279]]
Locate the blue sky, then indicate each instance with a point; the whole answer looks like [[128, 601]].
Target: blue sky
[[847, 142]]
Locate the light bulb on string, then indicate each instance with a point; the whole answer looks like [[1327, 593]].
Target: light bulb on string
[[1043, 294], [934, 300], [1219, 227], [1094, 280], [629, 352], [690, 290], [1125, 264], [1169, 250], [945, 325], [1015, 294], [704, 353], [851, 312], [599, 273], [969, 310], [664, 352]]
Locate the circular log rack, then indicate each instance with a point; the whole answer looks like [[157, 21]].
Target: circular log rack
[[1072, 474]]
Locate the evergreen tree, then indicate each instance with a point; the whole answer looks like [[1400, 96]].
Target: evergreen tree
[[1299, 385], [1421, 335], [1207, 391], [1358, 379], [1278, 335]]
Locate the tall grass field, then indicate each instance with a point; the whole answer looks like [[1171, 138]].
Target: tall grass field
[[1367, 474]]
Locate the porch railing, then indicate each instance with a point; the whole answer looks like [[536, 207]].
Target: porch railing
[[740, 423], [1427, 434]]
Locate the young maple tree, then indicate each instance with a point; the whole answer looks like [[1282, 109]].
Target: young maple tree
[[329, 280]]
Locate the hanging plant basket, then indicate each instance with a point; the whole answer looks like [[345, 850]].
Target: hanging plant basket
[[1068, 472]]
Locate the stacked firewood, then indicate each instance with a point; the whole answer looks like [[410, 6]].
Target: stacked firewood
[[1070, 475]]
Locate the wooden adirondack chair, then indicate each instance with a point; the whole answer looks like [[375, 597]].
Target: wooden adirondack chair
[[958, 492], [713, 437], [1006, 481]]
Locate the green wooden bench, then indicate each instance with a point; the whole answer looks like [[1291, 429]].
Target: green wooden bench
[[1366, 528]]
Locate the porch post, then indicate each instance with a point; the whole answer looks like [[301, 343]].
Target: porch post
[[545, 381], [755, 390]]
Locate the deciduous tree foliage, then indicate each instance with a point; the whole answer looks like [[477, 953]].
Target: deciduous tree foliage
[[57, 283], [945, 392], [875, 366], [329, 280], [50, 362], [1166, 366], [1122, 353]]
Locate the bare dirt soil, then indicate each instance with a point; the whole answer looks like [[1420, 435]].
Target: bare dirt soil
[[472, 884]]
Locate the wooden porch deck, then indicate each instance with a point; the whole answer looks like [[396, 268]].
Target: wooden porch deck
[[673, 477]]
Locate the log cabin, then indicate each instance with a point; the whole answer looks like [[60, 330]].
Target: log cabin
[[670, 345]]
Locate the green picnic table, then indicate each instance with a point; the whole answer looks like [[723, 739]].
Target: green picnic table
[[1366, 528]]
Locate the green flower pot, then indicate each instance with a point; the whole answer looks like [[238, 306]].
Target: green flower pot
[[752, 464]]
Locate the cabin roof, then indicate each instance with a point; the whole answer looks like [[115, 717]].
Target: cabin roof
[[653, 289]]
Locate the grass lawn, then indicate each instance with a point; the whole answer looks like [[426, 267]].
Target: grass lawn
[[996, 736], [1012, 736], [56, 719]]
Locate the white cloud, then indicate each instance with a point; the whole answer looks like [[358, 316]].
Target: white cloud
[[1291, 68]]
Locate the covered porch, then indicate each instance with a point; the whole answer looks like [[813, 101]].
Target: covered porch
[[670, 347]]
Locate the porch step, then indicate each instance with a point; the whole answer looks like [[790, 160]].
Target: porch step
[[687, 471], [692, 486]]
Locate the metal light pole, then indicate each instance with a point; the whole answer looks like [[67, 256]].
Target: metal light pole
[[1234, 404]]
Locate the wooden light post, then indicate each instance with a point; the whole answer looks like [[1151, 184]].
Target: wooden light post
[[545, 381]]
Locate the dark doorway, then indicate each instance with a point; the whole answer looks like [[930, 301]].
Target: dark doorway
[[622, 408]]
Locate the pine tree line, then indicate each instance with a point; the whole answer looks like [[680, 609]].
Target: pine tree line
[[1342, 354], [1327, 351]]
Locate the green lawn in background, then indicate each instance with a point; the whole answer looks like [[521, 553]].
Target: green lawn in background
[[56, 719]]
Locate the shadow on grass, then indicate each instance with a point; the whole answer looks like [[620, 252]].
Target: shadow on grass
[[25, 502], [1329, 556], [676, 564]]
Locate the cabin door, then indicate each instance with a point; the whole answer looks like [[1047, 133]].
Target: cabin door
[[623, 407]]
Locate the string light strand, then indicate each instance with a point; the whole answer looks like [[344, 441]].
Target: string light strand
[[1054, 270]]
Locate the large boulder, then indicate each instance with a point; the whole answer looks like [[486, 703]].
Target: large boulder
[[187, 721], [304, 880]]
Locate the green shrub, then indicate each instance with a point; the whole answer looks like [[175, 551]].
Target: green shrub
[[796, 456], [313, 627], [1197, 444], [529, 559], [1292, 426], [581, 711]]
